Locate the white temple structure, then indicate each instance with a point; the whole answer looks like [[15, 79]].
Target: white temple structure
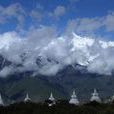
[[112, 99], [1, 101], [95, 96], [74, 99], [27, 98], [52, 99]]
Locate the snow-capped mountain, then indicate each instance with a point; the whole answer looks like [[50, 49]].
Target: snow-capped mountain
[[51, 57]]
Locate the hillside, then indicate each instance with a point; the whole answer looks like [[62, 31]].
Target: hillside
[[15, 87]]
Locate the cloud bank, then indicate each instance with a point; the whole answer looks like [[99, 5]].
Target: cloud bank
[[42, 51]]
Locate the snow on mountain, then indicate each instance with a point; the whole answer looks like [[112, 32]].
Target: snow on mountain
[[81, 42], [55, 52], [105, 44]]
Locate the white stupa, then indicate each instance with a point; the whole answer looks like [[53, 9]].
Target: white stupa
[[112, 99], [52, 99], [27, 98], [95, 96], [1, 101], [74, 99]]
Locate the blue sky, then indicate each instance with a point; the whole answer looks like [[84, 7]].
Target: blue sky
[[87, 17]]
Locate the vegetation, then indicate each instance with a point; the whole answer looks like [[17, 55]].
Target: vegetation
[[62, 107]]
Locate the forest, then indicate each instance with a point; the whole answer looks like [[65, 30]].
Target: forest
[[61, 107]]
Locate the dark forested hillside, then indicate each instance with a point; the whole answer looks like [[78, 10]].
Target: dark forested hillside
[[15, 87]]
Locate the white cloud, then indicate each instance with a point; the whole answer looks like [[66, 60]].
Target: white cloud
[[36, 15], [103, 64], [53, 53], [6, 71], [109, 22], [12, 11], [58, 11], [84, 25], [91, 25]]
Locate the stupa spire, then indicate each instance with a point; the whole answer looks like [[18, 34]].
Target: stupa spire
[[27, 98], [51, 98]]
